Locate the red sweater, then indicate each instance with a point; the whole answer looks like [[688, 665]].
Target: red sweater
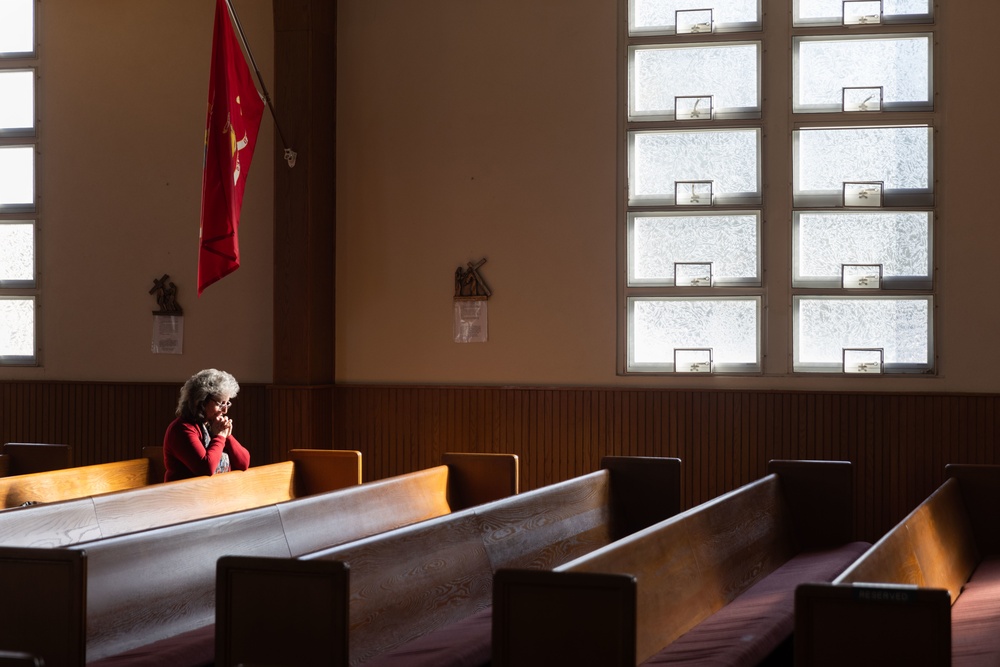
[[185, 456]]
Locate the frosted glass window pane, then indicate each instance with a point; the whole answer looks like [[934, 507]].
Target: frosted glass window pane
[[899, 156], [824, 326], [833, 10], [825, 240], [17, 32], [17, 252], [727, 71], [660, 15], [17, 99], [729, 242], [729, 158], [900, 65], [17, 327], [17, 175], [729, 326]]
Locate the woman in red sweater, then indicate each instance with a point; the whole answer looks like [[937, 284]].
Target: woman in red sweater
[[200, 440]]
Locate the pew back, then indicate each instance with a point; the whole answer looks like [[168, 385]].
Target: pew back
[[933, 547], [149, 506], [902, 601], [24, 458], [423, 578], [716, 552], [671, 576], [68, 483], [132, 589]]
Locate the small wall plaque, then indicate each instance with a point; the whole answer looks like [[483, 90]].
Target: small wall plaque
[[471, 321]]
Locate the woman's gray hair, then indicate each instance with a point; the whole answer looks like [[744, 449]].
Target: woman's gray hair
[[203, 385]]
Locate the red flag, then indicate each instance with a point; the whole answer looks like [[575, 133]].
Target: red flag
[[234, 113]]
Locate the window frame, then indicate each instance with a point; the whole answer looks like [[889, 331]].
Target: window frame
[[28, 290], [779, 125]]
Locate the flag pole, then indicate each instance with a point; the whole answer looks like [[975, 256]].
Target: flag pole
[[290, 155]]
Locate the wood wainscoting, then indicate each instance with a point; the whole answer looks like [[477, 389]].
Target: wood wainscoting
[[899, 443]]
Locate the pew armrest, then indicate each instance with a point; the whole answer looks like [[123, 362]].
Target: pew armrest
[[871, 624], [543, 618], [259, 611], [322, 470], [477, 478]]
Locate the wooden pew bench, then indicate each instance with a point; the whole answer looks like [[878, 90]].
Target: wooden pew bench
[[149, 597], [421, 595], [310, 471], [927, 593], [81, 481], [22, 458], [712, 585]]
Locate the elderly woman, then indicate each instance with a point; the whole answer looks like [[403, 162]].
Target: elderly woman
[[200, 440]]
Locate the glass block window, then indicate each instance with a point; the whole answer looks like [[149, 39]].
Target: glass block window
[[826, 326], [17, 254], [17, 329], [824, 159], [897, 242], [890, 72], [663, 327], [17, 27], [728, 158], [17, 177], [826, 12], [681, 249], [723, 78], [17, 90], [660, 16]]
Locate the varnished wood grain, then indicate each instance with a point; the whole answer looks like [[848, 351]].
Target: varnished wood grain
[[55, 485], [691, 565], [934, 546]]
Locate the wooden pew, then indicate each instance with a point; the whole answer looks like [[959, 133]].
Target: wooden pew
[[310, 471], [22, 458], [928, 592], [421, 595], [113, 598], [713, 585], [81, 481]]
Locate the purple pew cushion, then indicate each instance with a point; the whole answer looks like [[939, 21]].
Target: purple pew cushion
[[195, 648], [462, 644], [749, 628], [975, 618]]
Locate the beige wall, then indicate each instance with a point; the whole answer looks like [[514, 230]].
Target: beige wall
[[488, 129], [122, 103], [465, 130]]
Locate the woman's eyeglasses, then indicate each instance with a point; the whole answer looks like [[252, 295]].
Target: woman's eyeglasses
[[221, 404]]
